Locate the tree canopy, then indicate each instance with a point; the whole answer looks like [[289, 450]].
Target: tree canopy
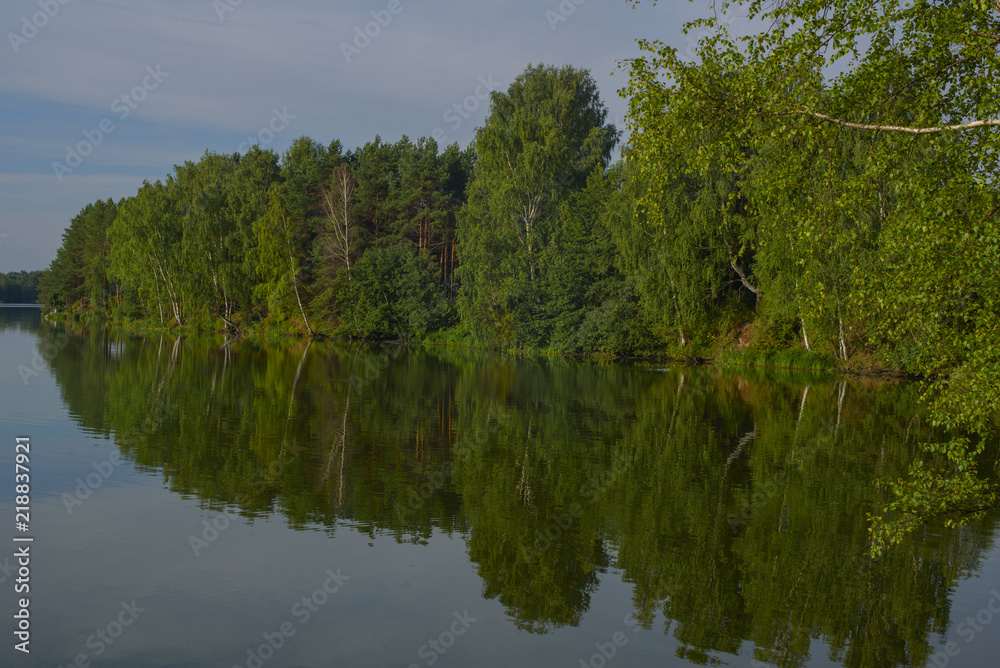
[[543, 138], [825, 185], [20, 287], [847, 158]]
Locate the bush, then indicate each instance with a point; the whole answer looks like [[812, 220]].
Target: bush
[[390, 293]]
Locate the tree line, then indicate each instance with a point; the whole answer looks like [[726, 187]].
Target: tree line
[[529, 238], [828, 184], [20, 287], [262, 241], [507, 242]]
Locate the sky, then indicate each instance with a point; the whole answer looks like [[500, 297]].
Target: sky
[[98, 95]]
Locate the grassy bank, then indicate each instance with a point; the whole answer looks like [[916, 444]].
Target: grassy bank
[[795, 358], [727, 351]]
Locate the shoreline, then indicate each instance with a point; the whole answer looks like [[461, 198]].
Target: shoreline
[[722, 356]]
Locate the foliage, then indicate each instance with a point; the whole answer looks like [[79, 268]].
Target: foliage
[[542, 140], [391, 294], [828, 182], [857, 152], [78, 277], [237, 241], [20, 287]]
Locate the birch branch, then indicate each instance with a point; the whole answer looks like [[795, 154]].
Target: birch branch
[[971, 125]]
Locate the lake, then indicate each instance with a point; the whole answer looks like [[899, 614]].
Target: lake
[[202, 502]]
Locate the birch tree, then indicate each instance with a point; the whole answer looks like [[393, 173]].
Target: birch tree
[[542, 139], [914, 88], [275, 258], [145, 248], [337, 201]]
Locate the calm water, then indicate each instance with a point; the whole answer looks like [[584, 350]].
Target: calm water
[[197, 503]]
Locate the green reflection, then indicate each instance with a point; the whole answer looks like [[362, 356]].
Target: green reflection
[[733, 505]]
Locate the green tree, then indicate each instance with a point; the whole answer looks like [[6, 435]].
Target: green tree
[[275, 259], [20, 287], [78, 276], [375, 166], [392, 294], [146, 252], [869, 144], [544, 136], [306, 169]]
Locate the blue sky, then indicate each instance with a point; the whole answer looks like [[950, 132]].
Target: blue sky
[[143, 85]]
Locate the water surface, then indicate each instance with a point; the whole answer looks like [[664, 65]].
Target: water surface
[[465, 509]]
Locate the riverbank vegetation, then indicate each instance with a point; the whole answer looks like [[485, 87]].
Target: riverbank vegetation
[[826, 185], [843, 163]]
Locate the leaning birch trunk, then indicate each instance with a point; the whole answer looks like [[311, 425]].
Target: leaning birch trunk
[[173, 297], [743, 278], [295, 276], [159, 299], [295, 383], [840, 406], [677, 310], [295, 285], [345, 190], [802, 408], [840, 326]]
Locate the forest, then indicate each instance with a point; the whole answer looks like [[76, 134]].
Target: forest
[[386, 241], [827, 185], [20, 287]]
